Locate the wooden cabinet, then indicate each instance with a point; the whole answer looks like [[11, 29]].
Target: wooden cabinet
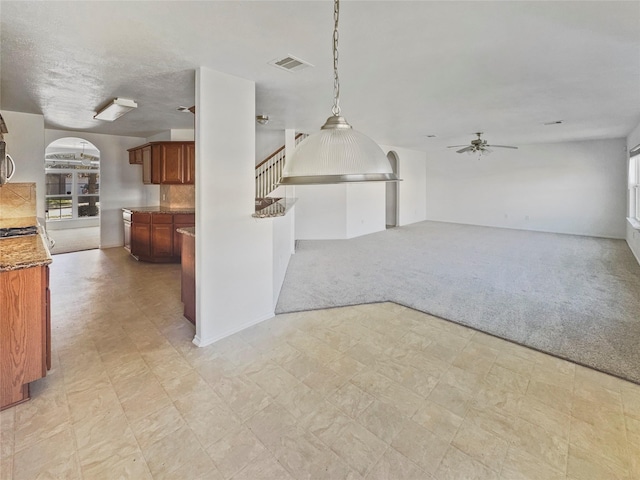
[[141, 234], [165, 163], [181, 221], [172, 164], [190, 163], [188, 279], [126, 216], [135, 156], [162, 235], [146, 163], [25, 331], [153, 235]]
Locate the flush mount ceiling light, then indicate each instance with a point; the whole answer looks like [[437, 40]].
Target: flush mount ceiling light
[[337, 153], [262, 119], [115, 109]]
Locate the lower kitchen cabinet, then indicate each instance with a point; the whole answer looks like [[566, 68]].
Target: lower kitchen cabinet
[[25, 331], [153, 236], [188, 277]]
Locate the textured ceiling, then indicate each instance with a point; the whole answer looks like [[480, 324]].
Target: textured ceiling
[[407, 69]]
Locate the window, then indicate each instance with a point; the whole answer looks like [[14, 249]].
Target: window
[[634, 183], [72, 185]]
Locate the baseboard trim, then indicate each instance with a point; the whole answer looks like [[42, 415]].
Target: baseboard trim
[[199, 342]]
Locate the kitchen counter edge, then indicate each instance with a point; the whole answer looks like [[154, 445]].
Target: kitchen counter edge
[[159, 209]]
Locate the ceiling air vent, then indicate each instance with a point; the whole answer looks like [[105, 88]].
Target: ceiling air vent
[[290, 63]]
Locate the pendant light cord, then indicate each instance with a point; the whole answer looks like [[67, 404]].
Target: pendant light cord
[[336, 80]]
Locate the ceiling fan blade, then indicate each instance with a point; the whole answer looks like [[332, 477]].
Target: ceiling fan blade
[[465, 149], [502, 146], [457, 146]]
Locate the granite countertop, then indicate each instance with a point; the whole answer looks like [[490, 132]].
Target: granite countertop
[[159, 209], [23, 252], [190, 231]]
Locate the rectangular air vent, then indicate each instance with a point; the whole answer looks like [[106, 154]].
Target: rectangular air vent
[[290, 63]]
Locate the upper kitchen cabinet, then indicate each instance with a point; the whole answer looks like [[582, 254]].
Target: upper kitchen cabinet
[[165, 163]]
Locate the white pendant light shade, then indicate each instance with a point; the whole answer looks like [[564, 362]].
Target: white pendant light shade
[[337, 154]]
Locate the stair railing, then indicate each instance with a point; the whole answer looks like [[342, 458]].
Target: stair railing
[[269, 171]]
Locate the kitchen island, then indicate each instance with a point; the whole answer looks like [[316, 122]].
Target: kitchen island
[[150, 233], [25, 321]]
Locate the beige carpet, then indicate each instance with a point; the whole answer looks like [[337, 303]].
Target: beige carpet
[[571, 296]]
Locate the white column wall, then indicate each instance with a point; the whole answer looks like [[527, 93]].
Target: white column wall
[[632, 234], [25, 144], [570, 187], [412, 190], [283, 248], [366, 208], [120, 183], [234, 252]]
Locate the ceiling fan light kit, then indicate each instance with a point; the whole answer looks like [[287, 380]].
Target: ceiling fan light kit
[[115, 109], [337, 153]]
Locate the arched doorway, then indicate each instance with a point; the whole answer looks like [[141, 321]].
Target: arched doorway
[[72, 194], [392, 194]]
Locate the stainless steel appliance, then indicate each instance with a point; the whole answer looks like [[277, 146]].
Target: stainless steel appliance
[[7, 165]]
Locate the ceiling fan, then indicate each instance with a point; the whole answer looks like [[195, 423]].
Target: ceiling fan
[[479, 146]]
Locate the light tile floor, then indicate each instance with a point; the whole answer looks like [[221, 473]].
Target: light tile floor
[[373, 391], [74, 239]]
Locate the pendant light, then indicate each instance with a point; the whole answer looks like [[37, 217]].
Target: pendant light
[[337, 153]]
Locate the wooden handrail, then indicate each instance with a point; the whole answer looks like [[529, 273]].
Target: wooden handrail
[[276, 152]]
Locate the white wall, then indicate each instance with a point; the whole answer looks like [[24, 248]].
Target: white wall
[[570, 187], [173, 135], [26, 144], [632, 233], [321, 212], [234, 252], [283, 248], [120, 183], [325, 212], [412, 190], [351, 210], [267, 142], [366, 208]]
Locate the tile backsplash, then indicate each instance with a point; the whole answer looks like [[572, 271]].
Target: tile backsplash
[[17, 200], [178, 196]]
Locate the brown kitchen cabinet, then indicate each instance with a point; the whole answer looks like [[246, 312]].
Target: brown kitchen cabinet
[[141, 234], [153, 235], [25, 331], [188, 277], [181, 221], [135, 156], [165, 163]]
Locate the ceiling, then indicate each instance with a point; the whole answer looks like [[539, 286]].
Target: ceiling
[[407, 69]]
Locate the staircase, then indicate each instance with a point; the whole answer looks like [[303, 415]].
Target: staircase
[[269, 171]]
